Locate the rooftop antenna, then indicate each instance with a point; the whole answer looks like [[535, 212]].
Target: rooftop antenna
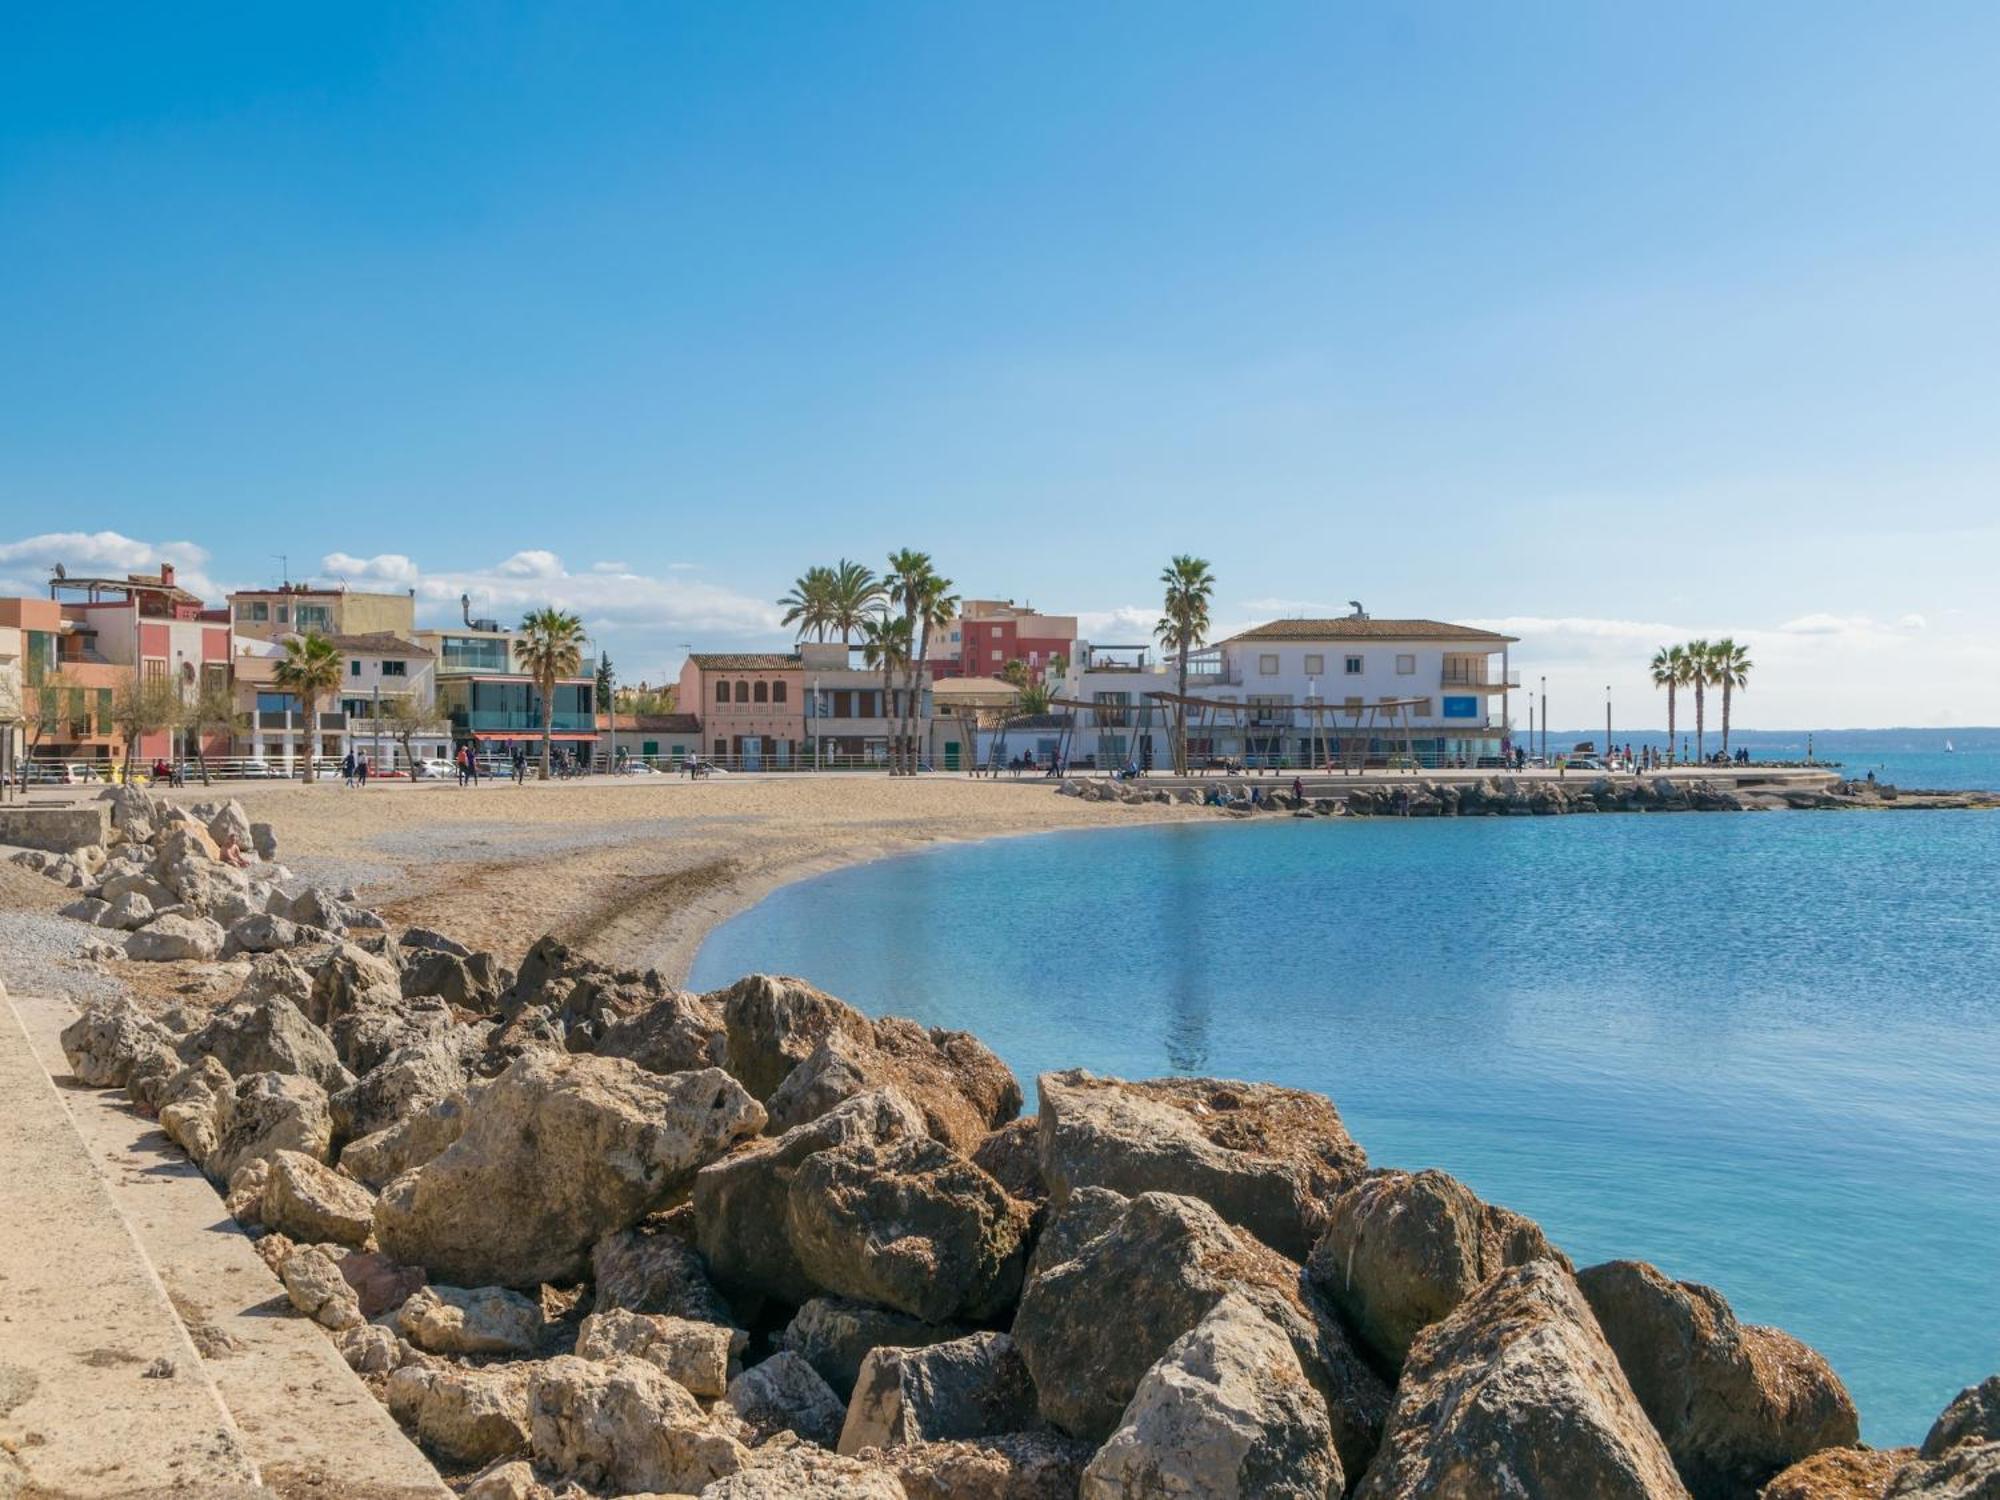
[[284, 569]]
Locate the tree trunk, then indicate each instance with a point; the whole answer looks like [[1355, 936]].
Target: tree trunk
[[1180, 718], [548, 724], [201, 760], [1726, 686], [1672, 744], [311, 707], [1700, 724]]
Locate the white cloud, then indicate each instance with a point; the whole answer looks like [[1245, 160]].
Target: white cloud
[[25, 565], [383, 568], [535, 564], [610, 567], [1128, 623]]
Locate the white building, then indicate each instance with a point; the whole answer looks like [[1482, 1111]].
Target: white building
[[1355, 692], [376, 668]]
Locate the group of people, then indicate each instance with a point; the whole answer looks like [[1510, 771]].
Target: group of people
[[169, 773], [354, 769]]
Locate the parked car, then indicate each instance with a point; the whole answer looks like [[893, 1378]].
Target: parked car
[[61, 773], [435, 770]]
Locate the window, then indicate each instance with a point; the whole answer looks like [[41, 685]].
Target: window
[[777, 692], [354, 668], [998, 654], [284, 613], [1315, 665], [277, 703], [742, 692], [1267, 665], [156, 669], [395, 669], [722, 747], [104, 710], [760, 694], [314, 617], [722, 692], [1353, 666], [1406, 665]]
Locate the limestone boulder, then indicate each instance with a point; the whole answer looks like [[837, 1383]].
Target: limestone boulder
[[910, 1226], [1010, 1466], [349, 979], [470, 1320], [263, 1114], [1972, 1417], [314, 1285], [308, 1200], [465, 1416], [1227, 1413], [1092, 1326], [509, 1479], [169, 938], [124, 880], [381, 1284], [470, 983], [623, 1425], [88, 910], [261, 932], [191, 1106], [788, 1468], [369, 1349], [696, 1356], [131, 911], [1401, 1250], [227, 821], [974, 1387], [835, 1336], [275, 976], [436, 1066], [673, 1034], [1083, 1215], [741, 1202], [264, 839], [1516, 1393], [378, 1158], [1735, 1404], [1267, 1159], [103, 1044], [774, 1022], [651, 1269], [1012, 1157], [556, 1153], [1840, 1474], [785, 1394], [1970, 1471], [563, 1000], [962, 1089], [380, 1026], [268, 1036]]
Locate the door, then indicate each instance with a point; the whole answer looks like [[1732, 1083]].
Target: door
[[951, 755]]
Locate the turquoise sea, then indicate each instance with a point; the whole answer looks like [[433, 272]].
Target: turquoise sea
[[1762, 1051]]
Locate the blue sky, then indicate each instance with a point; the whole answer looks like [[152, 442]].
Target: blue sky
[[1613, 324]]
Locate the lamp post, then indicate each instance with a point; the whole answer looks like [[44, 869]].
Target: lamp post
[[1607, 721], [1545, 720]]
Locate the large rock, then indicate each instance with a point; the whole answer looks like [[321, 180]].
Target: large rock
[[380, 1026], [313, 1283], [625, 1426], [788, 1468], [696, 1356], [1092, 1326], [1972, 1417], [774, 1022], [563, 1000], [131, 911], [105, 1042], [1734, 1404], [465, 1416], [470, 1320], [386, 1154], [650, 1269], [1012, 1466], [264, 1114], [1227, 1413], [740, 1202], [1401, 1251], [311, 1202], [1968, 1472], [556, 1153], [275, 976], [673, 1034], [262, 932], [1012, 1156], [911, 1226], [1840, 1474], [379, 1282], [268, 1036], [350, 979], [192, 1105], [468, 983], [973, 1387], [165, 939], [135, 883], [835, 1335], [1516, 1396], [1267, 1159], [962, 1089], [785, 1394], [435, 1067]]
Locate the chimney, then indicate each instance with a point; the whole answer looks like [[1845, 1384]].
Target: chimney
[[166, 575]]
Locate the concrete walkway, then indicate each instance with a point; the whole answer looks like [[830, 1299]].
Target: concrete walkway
[[126, 1255]]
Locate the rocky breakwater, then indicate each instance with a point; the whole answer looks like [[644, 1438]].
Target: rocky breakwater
[[1511, 796], [587, 1234]]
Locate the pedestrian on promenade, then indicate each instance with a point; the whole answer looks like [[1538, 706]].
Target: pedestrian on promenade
[[347, 769], [520, 766], [361, 772]]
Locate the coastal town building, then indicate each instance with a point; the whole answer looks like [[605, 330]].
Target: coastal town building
[[751, 705], [148, 629], [961, 708], [376, 669], [330, 609], [61, 689], [990, 633], [491, 704], [13, 700], [1354, 691]]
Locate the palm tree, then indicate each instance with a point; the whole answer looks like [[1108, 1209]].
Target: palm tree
[[1033, 698], [927, 602], [885, 643], [212, 711], [807, 605], [853, 594], [1696, 672], [1666, 669], [1732, 669], [309, 671], [1183, 628], [550, 647]]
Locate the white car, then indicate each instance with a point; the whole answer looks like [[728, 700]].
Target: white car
[[435, 770]]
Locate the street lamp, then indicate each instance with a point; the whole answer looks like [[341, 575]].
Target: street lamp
[[1545, 720], [1607, 721]]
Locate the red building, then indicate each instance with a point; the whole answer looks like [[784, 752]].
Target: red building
[[990, 633]]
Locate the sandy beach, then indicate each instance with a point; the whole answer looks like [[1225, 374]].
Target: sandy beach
[[636, 872]]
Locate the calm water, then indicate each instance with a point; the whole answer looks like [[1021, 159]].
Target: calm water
[[1761, 1051], [1907, 757]]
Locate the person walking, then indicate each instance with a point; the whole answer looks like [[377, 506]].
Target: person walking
[[347, 769], [520, 766], [361, 772]]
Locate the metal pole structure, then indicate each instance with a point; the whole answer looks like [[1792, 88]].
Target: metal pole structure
[[1545, 720], [378, 724], [1531, 723], [1607, 721]]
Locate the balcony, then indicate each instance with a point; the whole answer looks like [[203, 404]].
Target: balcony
[[505, 721], [1463, 681]]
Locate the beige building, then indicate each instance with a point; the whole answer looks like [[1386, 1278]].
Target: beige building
[[296, 608]]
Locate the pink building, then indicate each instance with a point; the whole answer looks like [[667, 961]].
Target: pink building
[[751, 704]]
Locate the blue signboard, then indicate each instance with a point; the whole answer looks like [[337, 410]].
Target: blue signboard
[[1461, 708]]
